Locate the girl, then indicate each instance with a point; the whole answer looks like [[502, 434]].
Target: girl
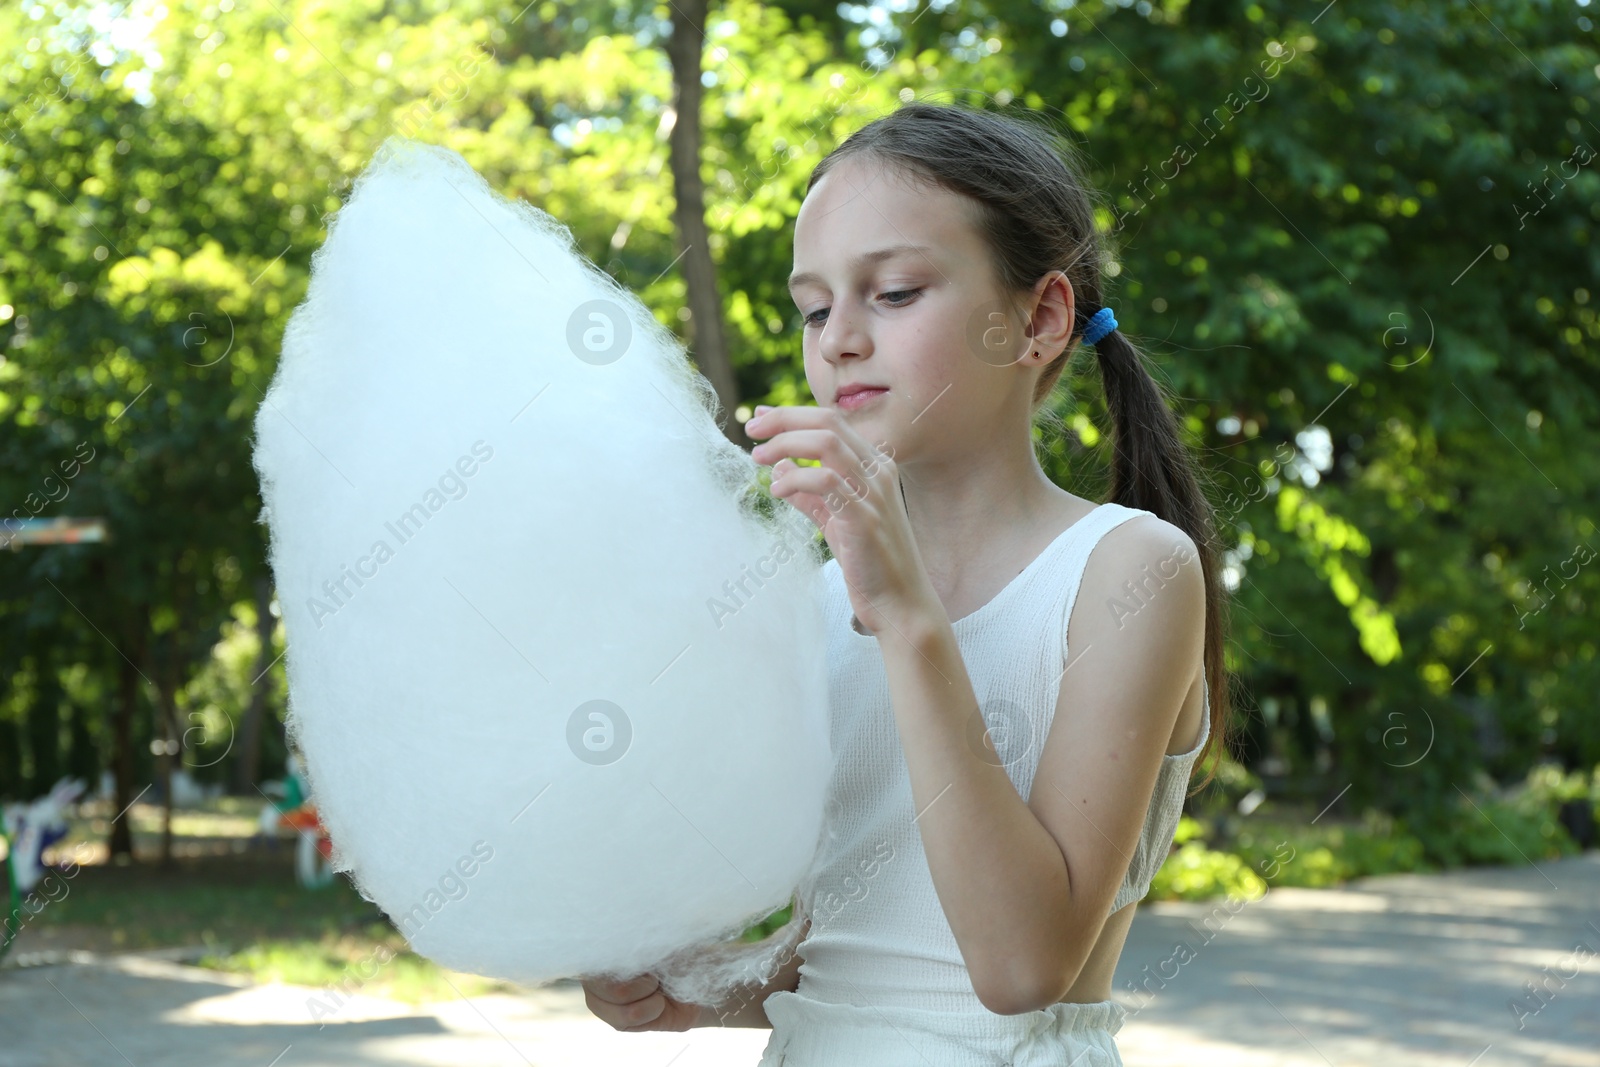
[[1021, 680]]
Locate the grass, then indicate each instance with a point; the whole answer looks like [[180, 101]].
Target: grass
[[230, 894], [234, 901], [374, 965], [213, 902]]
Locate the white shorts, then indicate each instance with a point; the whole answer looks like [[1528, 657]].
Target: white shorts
[[810, 1033]]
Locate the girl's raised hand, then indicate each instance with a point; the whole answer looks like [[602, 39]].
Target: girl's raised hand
[[854, 497]]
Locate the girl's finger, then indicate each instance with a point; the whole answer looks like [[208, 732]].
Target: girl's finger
[[797, 420], [624, 990], [827, 448], [824, 485], [871, 455], [811, 504]]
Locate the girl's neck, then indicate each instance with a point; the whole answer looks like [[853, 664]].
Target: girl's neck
[[973, 520]]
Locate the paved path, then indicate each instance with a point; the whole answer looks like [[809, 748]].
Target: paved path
[[1419, 970], [1404, 969]]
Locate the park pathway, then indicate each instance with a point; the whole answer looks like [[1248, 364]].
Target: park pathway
[[1414, 970]]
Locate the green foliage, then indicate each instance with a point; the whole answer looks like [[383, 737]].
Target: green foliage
[[1369, 222], [1495, 832], [1547, 787], [1195, 872], [211, 702], [1518, 826], [771, 924], [1269, 854], [1316, 856]]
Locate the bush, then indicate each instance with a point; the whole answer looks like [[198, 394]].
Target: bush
[[1195, 872], [1383, 846], [1517, 826], [1317, 856], [1547, 786]]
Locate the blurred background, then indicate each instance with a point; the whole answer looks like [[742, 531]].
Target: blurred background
[[1357, 240]]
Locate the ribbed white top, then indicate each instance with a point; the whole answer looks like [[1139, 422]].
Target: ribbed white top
[[879, 935]]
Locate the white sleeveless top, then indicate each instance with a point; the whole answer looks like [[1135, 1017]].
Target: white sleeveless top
[[879, 936]]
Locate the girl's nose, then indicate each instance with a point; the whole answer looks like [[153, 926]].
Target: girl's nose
[[843, 335]]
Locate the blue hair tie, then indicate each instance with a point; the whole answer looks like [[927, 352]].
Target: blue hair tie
[[1101, 324]]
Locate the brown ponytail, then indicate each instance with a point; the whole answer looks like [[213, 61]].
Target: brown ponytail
[[1152, 469], [1038, 214]]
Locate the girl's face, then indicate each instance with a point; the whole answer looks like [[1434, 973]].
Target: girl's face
[[898, 291]]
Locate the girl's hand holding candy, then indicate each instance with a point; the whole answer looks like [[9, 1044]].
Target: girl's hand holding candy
[[854, 497], [636, 1004]]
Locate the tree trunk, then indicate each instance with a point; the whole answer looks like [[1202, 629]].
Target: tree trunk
[[121, 840], [248, 765], [44, 727], [708, 342], [83, 756], [167, 732], [11, 783]]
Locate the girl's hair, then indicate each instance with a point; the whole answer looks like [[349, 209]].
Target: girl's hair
[[1037, 214]]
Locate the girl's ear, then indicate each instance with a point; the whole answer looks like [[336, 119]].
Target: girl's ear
[[1054, 312]]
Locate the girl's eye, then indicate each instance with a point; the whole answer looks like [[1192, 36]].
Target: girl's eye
[[906, 295], [909, 294]]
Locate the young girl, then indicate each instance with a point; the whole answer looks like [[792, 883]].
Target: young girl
[[1021, 680]]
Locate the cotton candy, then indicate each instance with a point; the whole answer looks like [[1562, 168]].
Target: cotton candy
[[558, 674]]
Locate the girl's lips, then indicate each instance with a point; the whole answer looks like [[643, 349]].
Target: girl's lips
[[851, 401]]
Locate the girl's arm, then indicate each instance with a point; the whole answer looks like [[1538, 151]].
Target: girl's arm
[[1027, 886]]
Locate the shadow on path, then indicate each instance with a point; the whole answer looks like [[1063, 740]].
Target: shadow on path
[[1396, 969]]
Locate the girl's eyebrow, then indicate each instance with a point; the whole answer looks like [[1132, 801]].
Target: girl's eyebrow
[[864, 259]]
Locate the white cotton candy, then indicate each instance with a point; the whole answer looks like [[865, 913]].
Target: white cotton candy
[[560, 687]]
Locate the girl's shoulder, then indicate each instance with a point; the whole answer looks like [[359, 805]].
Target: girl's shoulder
[[1134, 534], [1140, 563]]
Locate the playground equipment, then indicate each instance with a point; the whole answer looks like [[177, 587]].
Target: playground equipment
[[13, 913], [313, 858], [27, 830]]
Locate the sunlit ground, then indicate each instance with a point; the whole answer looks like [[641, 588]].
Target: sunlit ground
[[229, 895]]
